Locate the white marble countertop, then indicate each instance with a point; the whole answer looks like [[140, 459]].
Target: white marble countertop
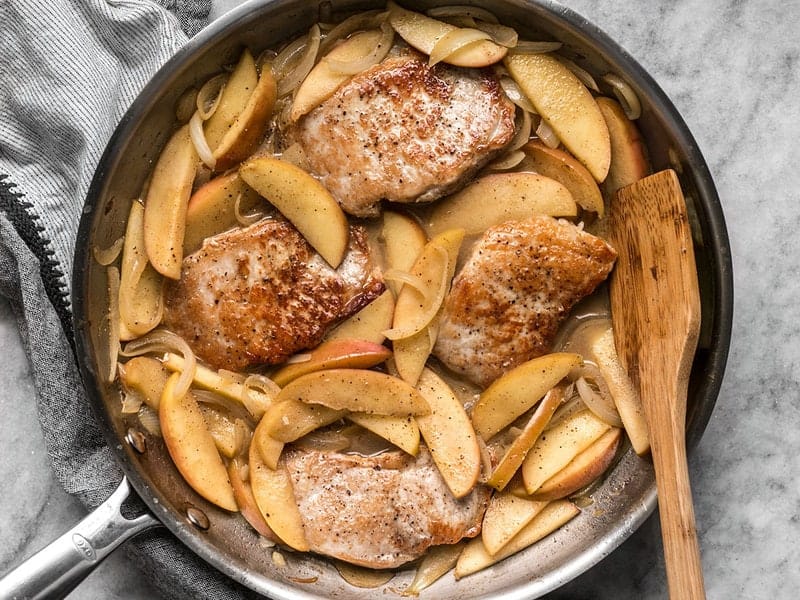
[[733, 70]]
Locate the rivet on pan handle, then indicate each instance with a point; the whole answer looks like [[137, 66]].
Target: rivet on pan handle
[[55, 570]]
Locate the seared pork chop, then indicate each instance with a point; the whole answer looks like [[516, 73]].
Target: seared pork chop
[[405, 132], [259, 294], [379, 511], [520, 282]]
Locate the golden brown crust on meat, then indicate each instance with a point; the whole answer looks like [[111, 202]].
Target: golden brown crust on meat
[[257, 295], [520, 282]]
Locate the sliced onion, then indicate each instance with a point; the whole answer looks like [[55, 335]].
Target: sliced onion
[[507, 161], [287, 57], [586, 78], [112, 273], [599, 401], [265, 60], [453, 41], [131, 402], [258, 392], [244, 220], [324, 441], [235, 409], [106, 256], [499, 34], [571, 407], [298, 358], [515, 94], [625, 94], [149, 420], [462, 11], [162, 341], [361, 21], [523, 134], [296, 155], [547, 135], [199, 141], [373, 57], [527, 47], [210, 94], [296, 75], [405, 277]]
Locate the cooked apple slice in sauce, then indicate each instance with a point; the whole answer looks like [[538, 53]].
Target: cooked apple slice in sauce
[[564, 168], [233, 100], [304, 201], [268, 448], [437, 562], [628, 155], [583, 469], [505, 517], [166, 202], [333, 354], [246, 501], [518, 390], [212, 209], [566, 106], [448, 433], [192, 448], [423, 33], [369, 323], [356, 390], [403, 432], [558, 446], [291, 419], [411, 353], [403, 241], [146, 377], [476, 557], [501, 197]]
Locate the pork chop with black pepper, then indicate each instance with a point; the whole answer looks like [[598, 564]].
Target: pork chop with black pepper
[[405, 132]]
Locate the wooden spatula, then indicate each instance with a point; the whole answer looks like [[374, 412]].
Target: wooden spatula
[[655, 307]]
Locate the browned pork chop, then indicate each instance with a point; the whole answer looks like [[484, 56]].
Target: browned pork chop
[[405, 132], [379, 511], [518, 285], [259, 294]]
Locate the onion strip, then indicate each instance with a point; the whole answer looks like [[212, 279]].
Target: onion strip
[[571, 407], [199, 141], [106, 256], [361, 21], [373, 57], [453, 41], [258, 392], [149, 420], [507, 161], [603, 407], [523, 134], [586, 78], [625, 94], [163, 341], [547, 135], [405, 277], [209, 96], [514, 93], [295, 76], [244, 220]]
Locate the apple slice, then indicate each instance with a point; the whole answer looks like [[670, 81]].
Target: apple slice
[[437, 561], [369, 323], [403, 240], [500, 197], [212, 209], [519, 448], [192, 448], [475, 557], [517, 390], [583, 469], [288, 420], [141, 287], [411, 353], [145, 376], [304, 201], [249, 126], [166, 202], [505, 517], [566, 106], [235, 96], [354, 354], [448, 433], [563, 167], [356, 390], [269, 449], [321, 83], [274, 495], [230, 435], [403, 432], [246, 501], [559, 446], [423, 32], [628, 155]]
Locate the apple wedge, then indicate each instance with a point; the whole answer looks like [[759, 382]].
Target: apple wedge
[[249, 126], [437, 562], [141, 287], [304, 201], [566, 106], [501, 197], [447, 431], [246, 501], [274, 495], [557, 447], [416, 307], [519, 448], [369, 323], [475, 557], [583, 469], [288, 420], [268, 448], [564, 168], [333, 354], [403, 240], [411, 353], [146, 377], [423, 32], [403, 432], [628, 155], [212, 209], [166, 202], [505, 517], [323, 80], [518, 390], [356, 390], [626, 397], [192, 448], [235, 96], [230, 434]]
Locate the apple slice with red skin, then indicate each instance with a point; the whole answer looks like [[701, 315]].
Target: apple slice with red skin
[[334, 354]]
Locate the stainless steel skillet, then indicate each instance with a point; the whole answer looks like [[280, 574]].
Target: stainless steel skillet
[[226, 542]]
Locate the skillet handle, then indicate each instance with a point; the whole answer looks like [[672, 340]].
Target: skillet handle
[[55, 570]]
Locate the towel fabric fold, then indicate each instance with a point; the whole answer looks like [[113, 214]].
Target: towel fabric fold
[[68, 71]]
